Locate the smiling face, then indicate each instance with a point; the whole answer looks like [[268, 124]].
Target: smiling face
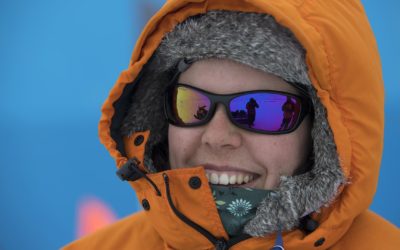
[[230, 155]]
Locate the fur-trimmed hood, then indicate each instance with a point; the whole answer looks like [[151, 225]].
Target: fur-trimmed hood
[[272, 49], [345, 81]]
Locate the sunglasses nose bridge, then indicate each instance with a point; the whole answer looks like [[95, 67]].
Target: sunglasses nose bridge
[[220, 133], [221, 107], [222, 101]]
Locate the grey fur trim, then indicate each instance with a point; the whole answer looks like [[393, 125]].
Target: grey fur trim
[[300, 195], [252, 39], [146, 112], [258, 41]]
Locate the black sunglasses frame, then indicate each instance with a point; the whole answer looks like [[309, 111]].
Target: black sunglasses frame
[[225, 99]]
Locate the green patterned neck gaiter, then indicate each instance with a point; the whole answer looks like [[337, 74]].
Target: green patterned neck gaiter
[[236, 206]]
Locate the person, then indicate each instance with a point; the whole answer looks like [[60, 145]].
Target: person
[[251, 106], [214, 182], [201, 113], [288, 113]]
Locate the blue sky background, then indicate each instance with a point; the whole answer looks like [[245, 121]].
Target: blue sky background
[[58, 61]]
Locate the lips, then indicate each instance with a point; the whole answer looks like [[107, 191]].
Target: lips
[[227, 175]]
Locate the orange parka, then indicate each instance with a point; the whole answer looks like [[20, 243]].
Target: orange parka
[[344, 67]]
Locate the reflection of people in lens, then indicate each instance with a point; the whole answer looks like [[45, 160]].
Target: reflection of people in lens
[[251, 111], [201, 113], [288, 111]]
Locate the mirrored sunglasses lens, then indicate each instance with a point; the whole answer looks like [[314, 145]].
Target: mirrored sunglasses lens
[[189, 106], [269, 112]]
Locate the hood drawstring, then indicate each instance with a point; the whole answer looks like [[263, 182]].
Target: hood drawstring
[[279, 239], [278, 242], [130, 172]]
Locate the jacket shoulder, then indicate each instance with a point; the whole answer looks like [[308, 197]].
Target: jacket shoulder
[[132, 232], [370, 231]]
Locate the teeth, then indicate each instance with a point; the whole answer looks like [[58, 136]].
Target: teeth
[[229, 178], [239, 179], [232, 179], [224, 179], [214, 178]]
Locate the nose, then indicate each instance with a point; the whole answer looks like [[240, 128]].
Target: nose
[[220, 133]]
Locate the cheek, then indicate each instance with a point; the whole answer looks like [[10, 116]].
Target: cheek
[[282, 154], [276, 154], [182, 143]]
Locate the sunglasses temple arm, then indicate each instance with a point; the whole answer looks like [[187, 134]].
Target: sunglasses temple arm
[[181, 67]]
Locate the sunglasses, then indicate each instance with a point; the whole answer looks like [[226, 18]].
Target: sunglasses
[[261, 111]]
